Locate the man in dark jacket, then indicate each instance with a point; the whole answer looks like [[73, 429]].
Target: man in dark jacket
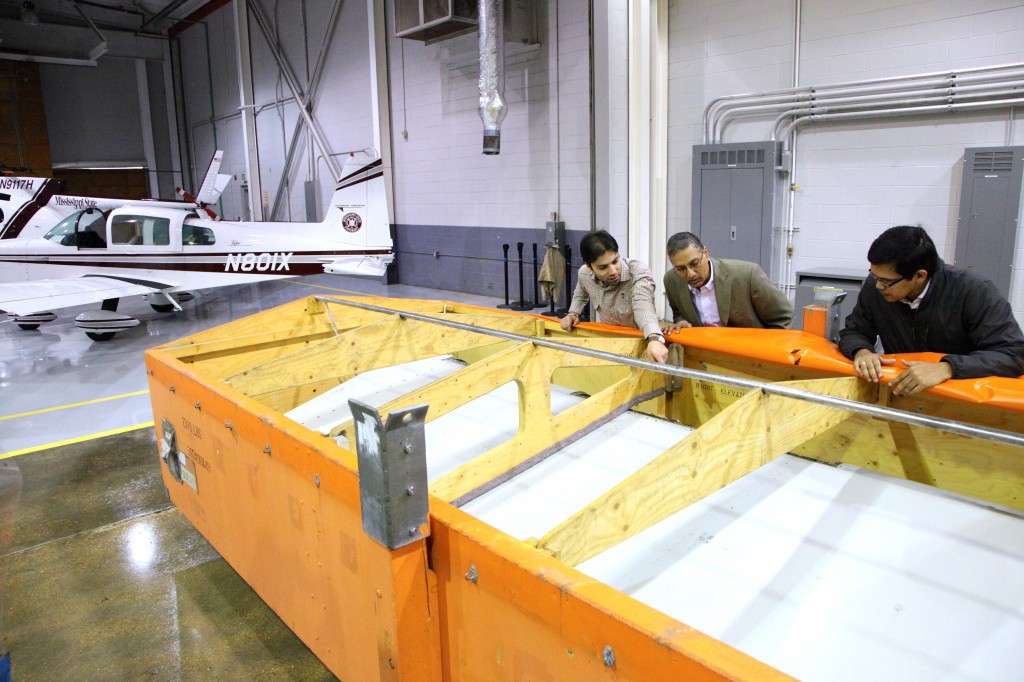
[[914, 302]]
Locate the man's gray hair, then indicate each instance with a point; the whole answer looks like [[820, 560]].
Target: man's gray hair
[[683, 240]]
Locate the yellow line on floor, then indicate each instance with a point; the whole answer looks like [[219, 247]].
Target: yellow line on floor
[[79, 439], [65, 407]]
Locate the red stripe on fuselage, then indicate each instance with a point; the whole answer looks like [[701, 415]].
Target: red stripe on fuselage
[[187, 263]]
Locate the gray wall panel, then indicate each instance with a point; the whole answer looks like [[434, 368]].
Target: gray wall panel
[[469, 259]]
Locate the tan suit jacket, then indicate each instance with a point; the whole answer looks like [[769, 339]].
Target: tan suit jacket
[[745, 296]]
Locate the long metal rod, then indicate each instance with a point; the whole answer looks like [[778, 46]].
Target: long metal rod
[[959, 428]]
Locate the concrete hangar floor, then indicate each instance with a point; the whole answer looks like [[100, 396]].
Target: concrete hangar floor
[[101, 578]]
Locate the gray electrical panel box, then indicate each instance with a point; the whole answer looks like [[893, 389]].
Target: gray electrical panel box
[[849, 281], [733, 199], [989, 208]]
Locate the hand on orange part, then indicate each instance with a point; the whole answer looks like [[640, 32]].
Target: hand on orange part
[[868, 365], [669, 328], [920, 375]]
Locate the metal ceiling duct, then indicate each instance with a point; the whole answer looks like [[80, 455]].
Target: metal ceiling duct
[[492, 72]]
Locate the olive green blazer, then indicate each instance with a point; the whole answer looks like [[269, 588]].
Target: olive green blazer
[[745, 295]]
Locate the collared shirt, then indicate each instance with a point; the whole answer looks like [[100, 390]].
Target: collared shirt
[[628, 302], [706, 301], [916, 303]]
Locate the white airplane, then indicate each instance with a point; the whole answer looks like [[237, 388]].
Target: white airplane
[[166, 249]]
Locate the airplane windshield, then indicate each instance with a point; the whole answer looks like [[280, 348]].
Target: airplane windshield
[[64, 231]]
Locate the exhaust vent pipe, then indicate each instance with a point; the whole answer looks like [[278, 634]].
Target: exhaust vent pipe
[[492, 72]]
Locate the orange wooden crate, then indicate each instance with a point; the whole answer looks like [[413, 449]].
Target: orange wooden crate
[[281, 503]]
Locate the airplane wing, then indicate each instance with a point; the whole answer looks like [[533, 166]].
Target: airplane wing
[[41, 295]]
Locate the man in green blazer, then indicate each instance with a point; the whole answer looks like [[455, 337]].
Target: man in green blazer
[[711, 292]]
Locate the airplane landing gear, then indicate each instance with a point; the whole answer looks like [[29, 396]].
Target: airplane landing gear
[[101, 325], [31, 322], [165, 303]]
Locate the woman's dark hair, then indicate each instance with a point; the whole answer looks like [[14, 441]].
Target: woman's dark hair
[[596, 244], [907, 249]]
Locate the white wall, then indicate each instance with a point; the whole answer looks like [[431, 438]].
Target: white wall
[[341, 104], [856, 179], [441, 176], [209, 80], [611, 119]]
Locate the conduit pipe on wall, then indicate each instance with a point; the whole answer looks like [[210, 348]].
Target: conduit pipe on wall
[[906, 111], [492, 107], [788, 226], [965, 98], [933, 83], [894, 91], [872, 100]]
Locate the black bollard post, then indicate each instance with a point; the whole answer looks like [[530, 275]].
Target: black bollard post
[[561, 312], [551, 310], [522, 303], [506, 304]]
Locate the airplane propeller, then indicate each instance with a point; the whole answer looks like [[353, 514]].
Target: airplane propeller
[[214, 184]]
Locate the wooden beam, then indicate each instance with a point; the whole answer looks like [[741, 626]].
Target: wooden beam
[[539, 430], [456, 389], [741, 438], [387, 342]]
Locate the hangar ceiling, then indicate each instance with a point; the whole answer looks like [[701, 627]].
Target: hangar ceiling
[[81, 31]]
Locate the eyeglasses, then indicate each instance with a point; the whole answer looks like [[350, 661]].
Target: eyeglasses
[[884, 283], [692, 265]]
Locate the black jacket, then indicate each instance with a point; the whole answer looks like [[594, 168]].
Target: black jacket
[[961, 315]]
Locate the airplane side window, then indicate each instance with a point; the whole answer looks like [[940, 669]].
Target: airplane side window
[[126, 229], [135, 230], [192, 235], [159, 231]]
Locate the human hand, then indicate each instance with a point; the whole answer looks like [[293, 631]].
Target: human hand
[[920, 375], [670, 328], [868, 365], [569, 321], [657, 351]]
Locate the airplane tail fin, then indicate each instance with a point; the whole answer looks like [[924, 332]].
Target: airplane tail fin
[[358, 216], [22, 198]]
